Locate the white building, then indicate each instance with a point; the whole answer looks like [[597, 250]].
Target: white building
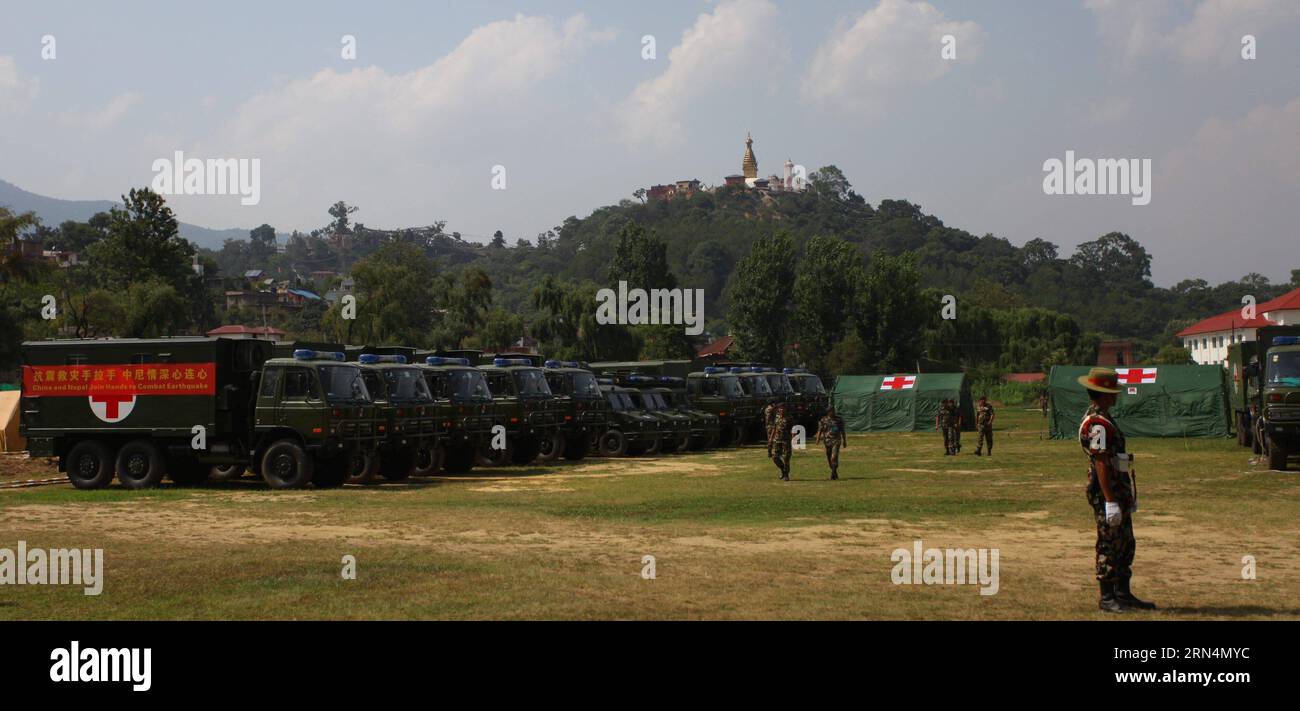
[[1208, 340]]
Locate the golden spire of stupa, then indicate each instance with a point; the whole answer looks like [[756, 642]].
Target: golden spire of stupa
[[749, 166]]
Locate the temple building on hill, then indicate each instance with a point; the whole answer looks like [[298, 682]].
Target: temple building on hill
[[747, 178]]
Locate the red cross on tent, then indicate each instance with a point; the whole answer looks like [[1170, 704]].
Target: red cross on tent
[[898, 382], [1136, 376]]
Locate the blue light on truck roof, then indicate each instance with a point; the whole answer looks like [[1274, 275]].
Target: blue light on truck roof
[[503, 362], [443, 360], [309, 354], [787, 371], [552, 364], [372, 358], [1286, 340], [737, 369], [711, 369]]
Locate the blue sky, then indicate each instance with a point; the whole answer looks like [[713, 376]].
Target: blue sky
[[559, 94]]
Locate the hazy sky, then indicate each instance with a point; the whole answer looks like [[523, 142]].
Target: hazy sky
[[560, 95]]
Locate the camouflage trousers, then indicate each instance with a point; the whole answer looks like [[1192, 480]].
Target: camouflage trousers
[[986, 435], [781, 455], [1115, 544], [947, 438], [833, 456]]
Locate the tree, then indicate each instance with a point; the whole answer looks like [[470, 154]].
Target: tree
[[262, 241], [1123, 261], [760, 298], [1172, 355], [1038, 252], [142, 243], [341, 212], [640, 259], [890, 308], [498, 240], [824, 294], [395, 301]]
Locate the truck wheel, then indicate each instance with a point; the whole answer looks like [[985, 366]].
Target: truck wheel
[[363, 467], [429, 460], [89, 464], [187, 472], [226, 472], [286, 466], [1276, 456], [460, 459], [575, 448], [525, 451], [551, 447], [684, 443], [652, 447], [489, 457], [397, 466], [331, 473], [613, 444], [1257, 442], [139, 465]]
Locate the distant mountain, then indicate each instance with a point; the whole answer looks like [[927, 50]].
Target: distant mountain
[[54, 212]]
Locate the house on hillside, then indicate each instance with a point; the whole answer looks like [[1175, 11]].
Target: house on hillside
[[1208, 340]]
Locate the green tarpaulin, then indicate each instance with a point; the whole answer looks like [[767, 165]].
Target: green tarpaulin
[[899, 403], [1155, 401]]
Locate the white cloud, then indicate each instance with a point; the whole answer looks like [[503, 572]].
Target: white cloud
[[1110, 110], [100, 118], [16, 93], [1211, 34], [893, 45], [737, 41]]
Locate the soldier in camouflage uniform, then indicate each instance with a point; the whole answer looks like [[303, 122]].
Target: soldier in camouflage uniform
[[1112, 493], [780, 441], [941, 424], [955, 423], [830, 432], [984, 425], [769, 419]]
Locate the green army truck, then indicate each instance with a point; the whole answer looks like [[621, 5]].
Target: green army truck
[[717, 391], [523, 405], [1264, 388], [584, 410], [706, 428], [753, 381], [464, 412], [630, 431], [142, 409], [810, 397], [408, 424], [674, 427]]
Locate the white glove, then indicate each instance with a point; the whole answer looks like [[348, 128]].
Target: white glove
[[1113, 514]]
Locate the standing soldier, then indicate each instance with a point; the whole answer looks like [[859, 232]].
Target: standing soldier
[[984, 424], [780, 441], [1042, 402], [830, 432], [1111, 492], [941, 424], [955, 422], [769, 419]]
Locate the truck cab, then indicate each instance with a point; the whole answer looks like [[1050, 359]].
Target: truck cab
[[753, 382], [674, 427], [407, 424], [1278, 423], [810, 396], [464, 411], [524, 406], [584, 410], [631, 431], [705, 427], [717, 391]]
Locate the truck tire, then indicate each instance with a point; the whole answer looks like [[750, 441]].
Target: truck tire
[[89, 464], [363, 467], [140, 465], [429, 460], [1276, 456], [575, 448], [525, 451], [227, 472], [651, 447], [613, 444], [551, 447], [397, 466], [684, 443], [331, 473], [460, 459], [286, 466], [488, 457]]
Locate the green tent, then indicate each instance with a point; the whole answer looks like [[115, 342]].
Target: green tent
[[899, 403], [1154, 401]]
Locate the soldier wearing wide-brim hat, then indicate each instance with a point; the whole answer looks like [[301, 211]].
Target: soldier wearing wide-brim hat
[[1111, 492]]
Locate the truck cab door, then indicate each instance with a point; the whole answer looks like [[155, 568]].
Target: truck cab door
[[299, 405], [268, 398]]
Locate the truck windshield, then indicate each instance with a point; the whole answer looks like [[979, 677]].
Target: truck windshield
[[658, 401], [343, 383], [1284, 369], [731, 387], [615, 403], [646, 401], [779, 383], [406, 385], [373, 384], [757, 386], [468, 385], [585, 385], [810, 384], [531, 382]]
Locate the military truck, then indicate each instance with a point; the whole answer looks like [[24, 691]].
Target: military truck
[[629, 431], [717, 391], [674, 427], [706, 428], [408, 426], [464, 412], [584, 410], [139, 409], [1265, 392], [753, 381], [523, 404], [811, 399]]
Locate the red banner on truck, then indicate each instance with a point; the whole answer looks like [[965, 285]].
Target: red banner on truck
[[127, 380]]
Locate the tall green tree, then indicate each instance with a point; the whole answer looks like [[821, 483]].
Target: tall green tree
[[142, 243], [824, 295], [890, 310], [760, 298]]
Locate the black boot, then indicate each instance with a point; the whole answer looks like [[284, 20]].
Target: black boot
[[834, 475], [1126, 598], [1108, 601]]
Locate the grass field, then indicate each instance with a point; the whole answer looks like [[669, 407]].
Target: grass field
[[729, 540]]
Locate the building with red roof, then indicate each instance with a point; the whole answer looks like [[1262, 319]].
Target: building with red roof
[[1208, 340]]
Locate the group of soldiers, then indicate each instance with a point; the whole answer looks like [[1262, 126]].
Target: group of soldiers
[[830, 433], [949, 421]]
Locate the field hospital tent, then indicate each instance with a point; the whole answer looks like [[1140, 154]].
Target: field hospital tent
[[1154, 401], [899, 403], [10, 441]]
